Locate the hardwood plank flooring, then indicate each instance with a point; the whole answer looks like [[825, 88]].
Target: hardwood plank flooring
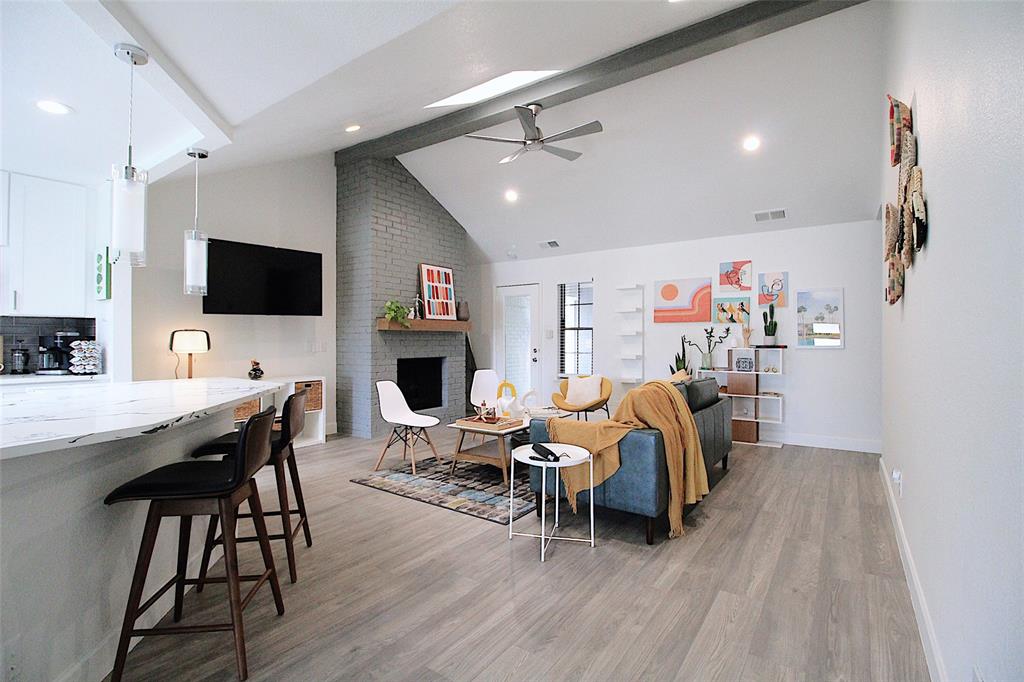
[[789, 571]]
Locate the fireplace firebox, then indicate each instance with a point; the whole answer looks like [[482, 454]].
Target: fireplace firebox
[[421, 381]]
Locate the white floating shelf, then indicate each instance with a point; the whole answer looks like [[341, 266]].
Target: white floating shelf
[[630, 380], [759, 420], [635, 309], [629, 287], [634, 332], [735, 371], [628, 356], [759, 395]]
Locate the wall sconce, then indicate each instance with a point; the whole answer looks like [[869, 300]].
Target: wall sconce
[[189, 341]]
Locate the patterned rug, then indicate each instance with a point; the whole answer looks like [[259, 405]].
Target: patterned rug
[[474, 489]]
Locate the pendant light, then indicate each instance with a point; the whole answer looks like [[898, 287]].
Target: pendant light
[[196, 241], [128, 193]]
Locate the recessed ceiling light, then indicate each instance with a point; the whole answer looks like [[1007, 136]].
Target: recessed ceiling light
[[53, 107], [511, 196], [751, 143], [353, 128], [492, 88]]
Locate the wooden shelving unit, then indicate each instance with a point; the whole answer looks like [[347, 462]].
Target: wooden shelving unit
[[424, 326], [751, 405]]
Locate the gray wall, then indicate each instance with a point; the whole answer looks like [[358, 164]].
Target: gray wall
[[387, 225]]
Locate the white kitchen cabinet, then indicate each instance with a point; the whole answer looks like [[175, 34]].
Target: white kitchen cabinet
[[43, 255]]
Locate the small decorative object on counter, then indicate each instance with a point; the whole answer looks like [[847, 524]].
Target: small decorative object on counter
[[770, 325], [712, 343], [486, 413], [256, 373], [746, 331], [86, 358], [396, 312], [462, 311]]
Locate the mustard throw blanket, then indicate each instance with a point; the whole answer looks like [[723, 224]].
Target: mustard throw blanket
[[655, 405]]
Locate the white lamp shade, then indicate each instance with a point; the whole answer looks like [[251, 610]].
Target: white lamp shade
[[128, 214], [190, 341], [196, 245]]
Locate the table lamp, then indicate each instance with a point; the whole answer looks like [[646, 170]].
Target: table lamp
[[189, 341]]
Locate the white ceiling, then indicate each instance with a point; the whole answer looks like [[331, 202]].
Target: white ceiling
[[669, 165], [48, 52]]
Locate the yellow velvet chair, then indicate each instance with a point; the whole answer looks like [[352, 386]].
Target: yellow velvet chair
[[600, 404]]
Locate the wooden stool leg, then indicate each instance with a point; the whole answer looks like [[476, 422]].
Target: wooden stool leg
[[135, 594], [204, 566], [293, 470], [184, 534], [286, 517], [228, 523], [261, 532]]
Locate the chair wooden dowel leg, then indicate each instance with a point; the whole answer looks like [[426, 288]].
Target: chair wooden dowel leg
[[437, 457], [184, 534], [204, 566], [135, 594], [227, 519], [293, 470], [268, 556]]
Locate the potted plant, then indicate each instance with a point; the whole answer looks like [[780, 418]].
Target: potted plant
[[770, 325], [681, 363], [396, 312], [711, 342]]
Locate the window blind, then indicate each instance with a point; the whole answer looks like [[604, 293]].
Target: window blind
[[576, 328]]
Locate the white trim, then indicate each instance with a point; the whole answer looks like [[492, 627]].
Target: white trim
[[932, 653], [815, 440]]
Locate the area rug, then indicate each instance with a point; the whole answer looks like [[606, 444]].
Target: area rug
[[474, 489]]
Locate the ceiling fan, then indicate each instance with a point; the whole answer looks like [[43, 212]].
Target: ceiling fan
[[535, 140]]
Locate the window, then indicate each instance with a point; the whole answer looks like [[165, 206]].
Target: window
[[575, 328]]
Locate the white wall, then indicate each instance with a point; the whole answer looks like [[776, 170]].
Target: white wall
[[832, 396], [952, 370], [288, 204]]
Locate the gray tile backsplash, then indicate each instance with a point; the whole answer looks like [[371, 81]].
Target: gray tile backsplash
[[31, 328]]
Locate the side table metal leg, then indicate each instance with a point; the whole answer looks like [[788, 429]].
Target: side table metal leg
[[511, 500], [591, 500], [544, 507]]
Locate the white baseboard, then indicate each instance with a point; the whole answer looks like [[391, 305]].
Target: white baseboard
[[815, 440], [332, 428], [98, 664], [932, 654]]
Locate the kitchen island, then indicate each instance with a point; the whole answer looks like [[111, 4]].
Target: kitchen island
[[66, 559]]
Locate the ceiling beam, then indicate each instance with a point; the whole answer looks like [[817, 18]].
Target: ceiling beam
[[692, 42]]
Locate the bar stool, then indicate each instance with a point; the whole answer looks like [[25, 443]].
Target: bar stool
[[186, 489], [282, 454]]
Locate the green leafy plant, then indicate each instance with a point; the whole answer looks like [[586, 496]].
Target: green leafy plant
[[681, 362], [396, 312], [770, 325], [711, 341]]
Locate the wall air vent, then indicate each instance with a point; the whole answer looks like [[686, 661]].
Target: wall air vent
[[549, 244], [769, 215]]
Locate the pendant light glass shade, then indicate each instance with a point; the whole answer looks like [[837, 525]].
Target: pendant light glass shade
[[195, 262], [128, 213], [196, 242]]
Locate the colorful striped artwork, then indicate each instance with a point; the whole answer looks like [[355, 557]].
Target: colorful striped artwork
[[437, 285], [683, 300]]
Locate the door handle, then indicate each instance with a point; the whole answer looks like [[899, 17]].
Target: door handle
[[534, 359]]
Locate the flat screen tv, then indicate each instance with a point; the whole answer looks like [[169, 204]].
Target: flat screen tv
[[249, 279]]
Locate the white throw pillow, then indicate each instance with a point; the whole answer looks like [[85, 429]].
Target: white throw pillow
[[583, 390]]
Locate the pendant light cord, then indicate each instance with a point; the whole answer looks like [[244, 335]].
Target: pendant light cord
[[131, 105], [195, 220]]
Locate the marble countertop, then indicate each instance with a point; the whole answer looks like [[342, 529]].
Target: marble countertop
[[26, 379], [45, 417]]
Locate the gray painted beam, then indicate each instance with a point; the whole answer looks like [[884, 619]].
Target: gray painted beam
[[726, 30]]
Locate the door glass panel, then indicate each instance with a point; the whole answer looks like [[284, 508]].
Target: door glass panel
[[517, 342]]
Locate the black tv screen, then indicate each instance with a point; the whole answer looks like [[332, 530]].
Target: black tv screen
[[249, 279]]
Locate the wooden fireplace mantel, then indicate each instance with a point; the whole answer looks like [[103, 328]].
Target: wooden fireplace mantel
[[424, 326]]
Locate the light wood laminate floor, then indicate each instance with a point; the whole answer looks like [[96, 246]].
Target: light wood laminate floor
[[789, 570]]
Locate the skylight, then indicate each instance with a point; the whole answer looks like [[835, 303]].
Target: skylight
[[492, 88]]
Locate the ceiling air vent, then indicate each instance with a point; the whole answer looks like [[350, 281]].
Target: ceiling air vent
[[769, 215], [549, 244]]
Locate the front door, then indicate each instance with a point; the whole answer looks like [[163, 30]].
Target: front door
[[517, 336]]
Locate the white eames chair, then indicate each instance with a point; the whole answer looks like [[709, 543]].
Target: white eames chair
[[408, 426], [484, 389]]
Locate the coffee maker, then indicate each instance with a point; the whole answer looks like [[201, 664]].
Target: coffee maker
[[55, 352]]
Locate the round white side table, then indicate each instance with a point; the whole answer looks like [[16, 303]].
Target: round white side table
[[574, 455]]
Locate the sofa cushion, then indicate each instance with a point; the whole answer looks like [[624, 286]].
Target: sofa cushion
[[701, 393], [583, 390]]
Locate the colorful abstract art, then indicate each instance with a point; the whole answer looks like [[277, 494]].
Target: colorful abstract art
[[736, 275], [819, 314], [732, 310], [773, 287], [683, 300], [437, 285]]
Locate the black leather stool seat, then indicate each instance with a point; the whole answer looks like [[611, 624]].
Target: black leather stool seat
[[226, 444], [178, 481]]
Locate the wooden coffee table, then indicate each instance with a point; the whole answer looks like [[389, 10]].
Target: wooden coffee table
[[500, 431]]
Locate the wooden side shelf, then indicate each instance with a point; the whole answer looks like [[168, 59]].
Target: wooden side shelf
[[424, 326]]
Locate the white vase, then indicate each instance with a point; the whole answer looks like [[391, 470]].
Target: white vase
[[769, 340]]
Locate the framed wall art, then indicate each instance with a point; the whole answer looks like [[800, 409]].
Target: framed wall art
[[732, 310], [819, 315], [773, 287], [735, 275], [437, 285], [683, 300]]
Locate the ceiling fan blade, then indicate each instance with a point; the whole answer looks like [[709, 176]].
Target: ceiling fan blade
[[529, 122], [514, 155], [567, 154], [494, 139], [578, 131]]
